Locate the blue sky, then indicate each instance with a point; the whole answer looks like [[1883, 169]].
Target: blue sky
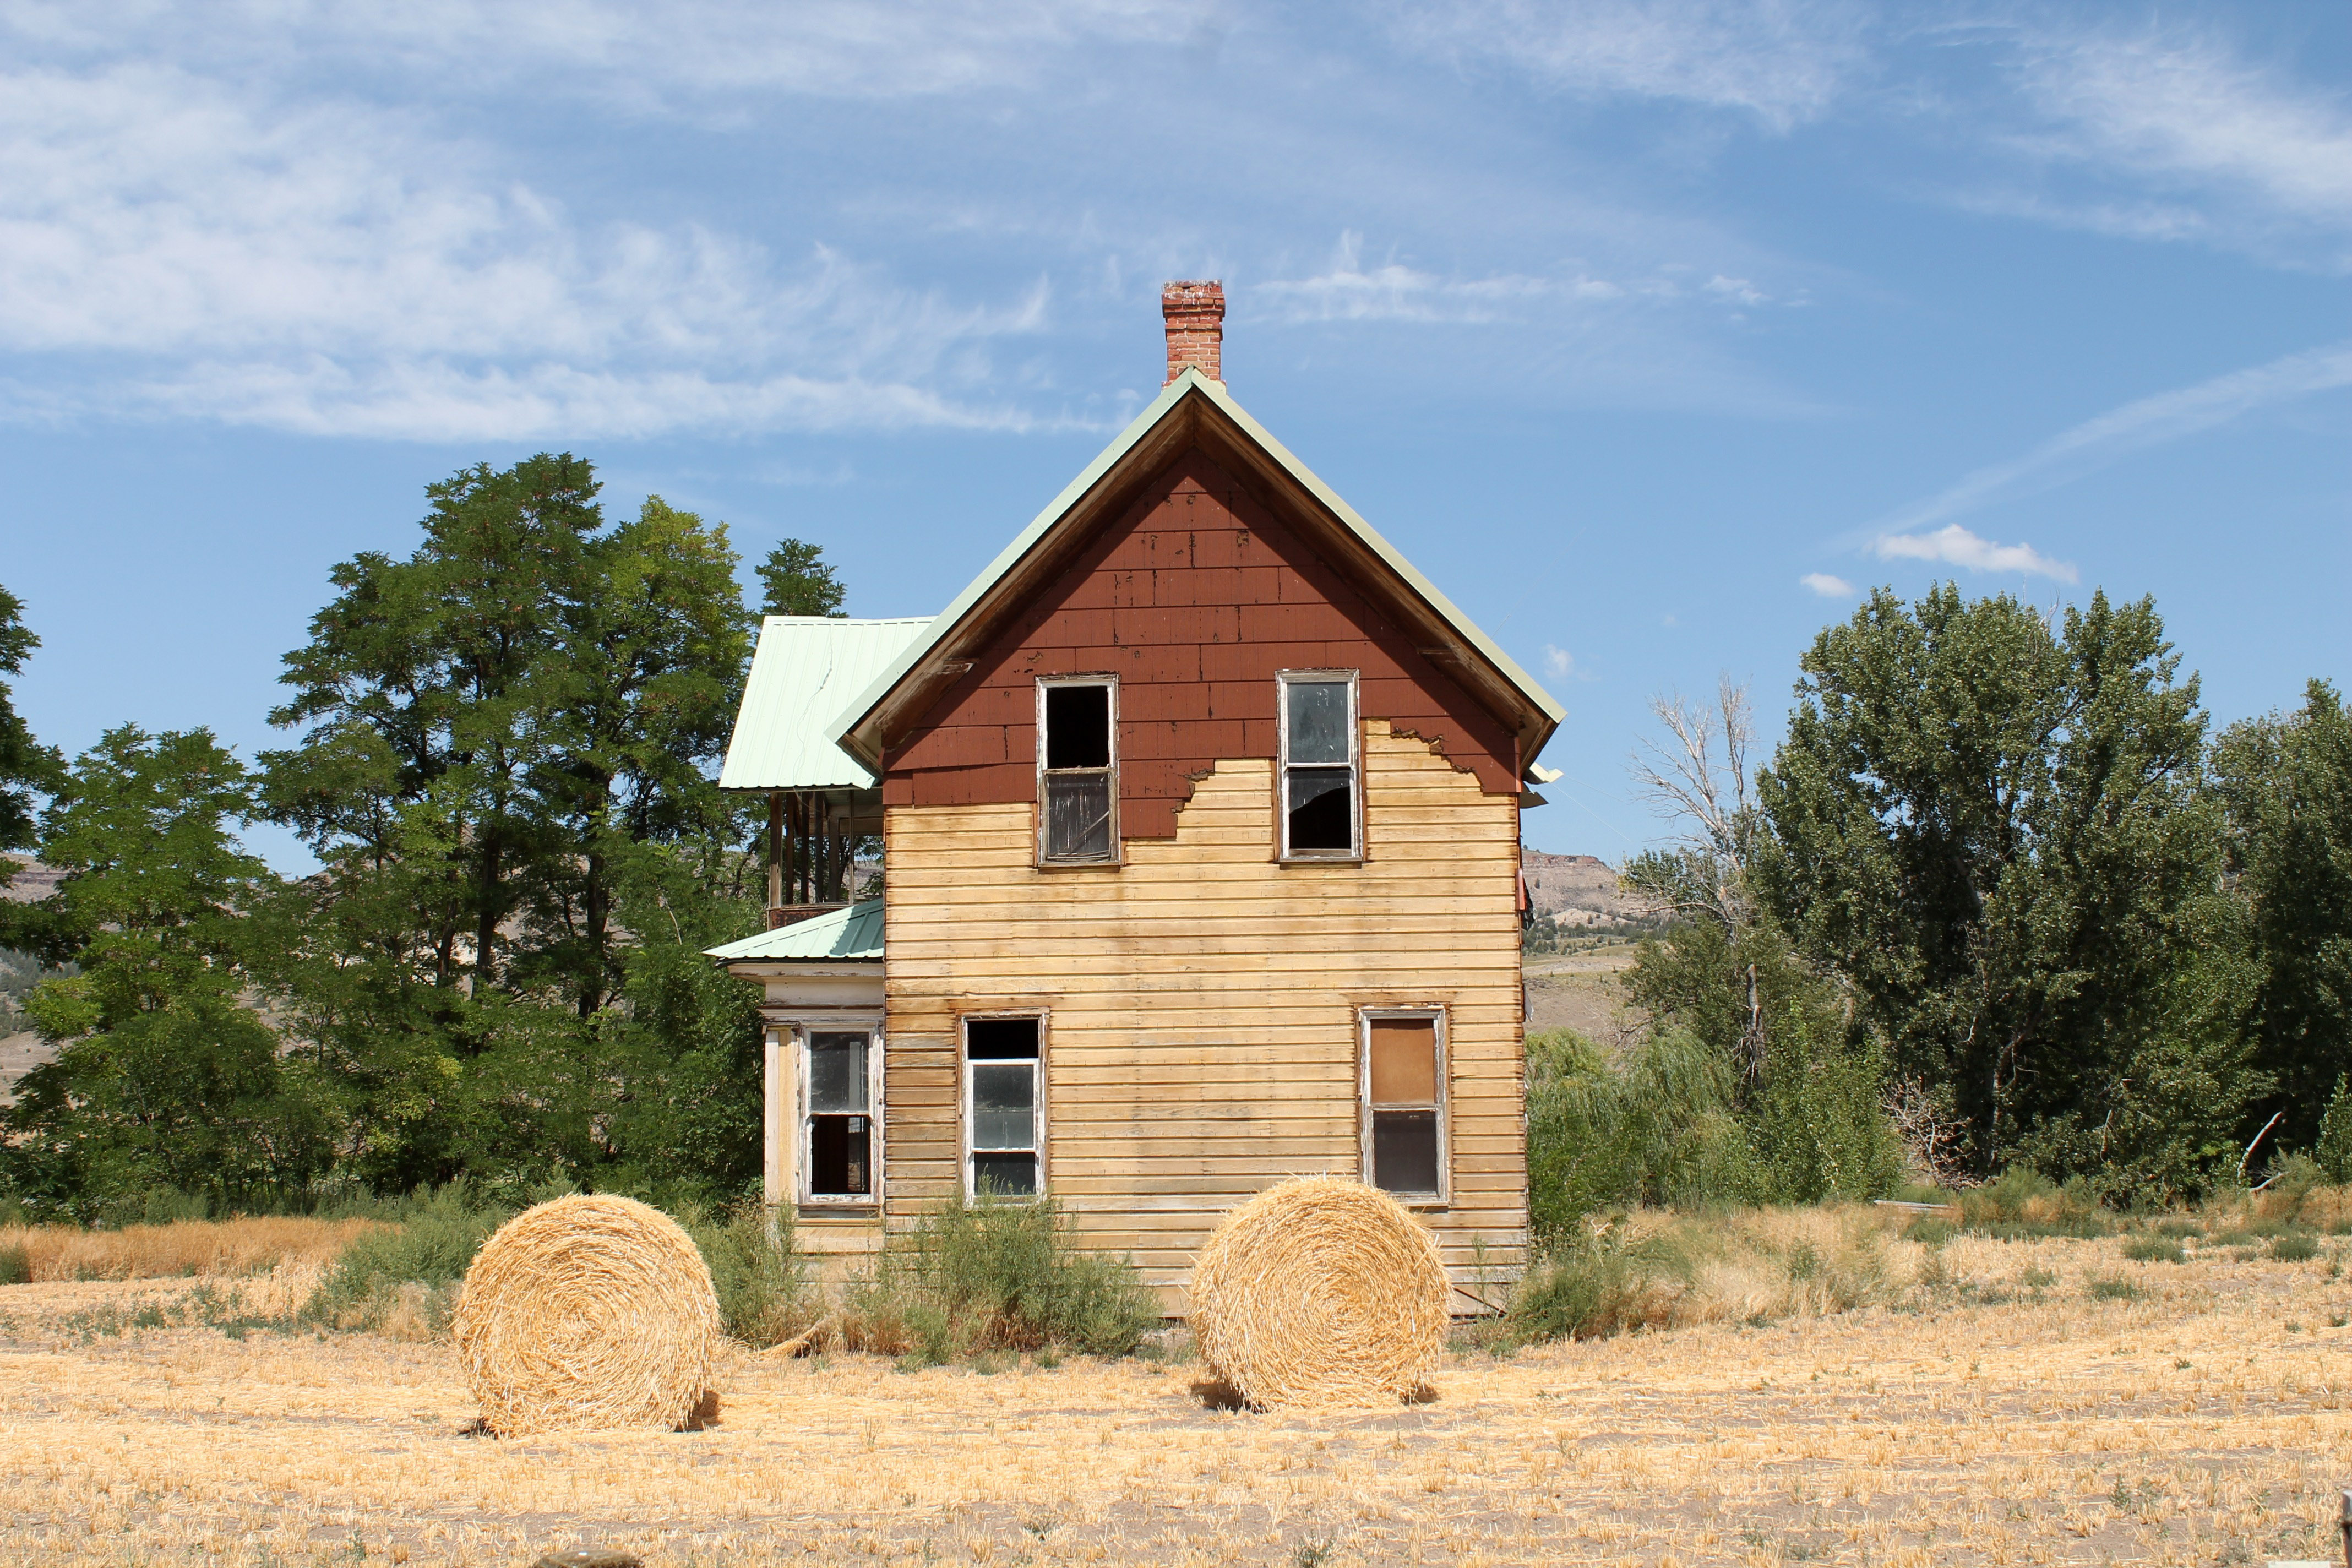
[[1651, 330]]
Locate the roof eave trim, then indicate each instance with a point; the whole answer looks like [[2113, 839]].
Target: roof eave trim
[[850, 731], [846, 728]]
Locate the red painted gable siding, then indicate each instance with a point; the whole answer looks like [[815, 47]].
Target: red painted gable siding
[[1194, 597]]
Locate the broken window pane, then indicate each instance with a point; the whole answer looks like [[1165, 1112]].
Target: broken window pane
[[999, 1039], [841, 1157], [1322, 809], [1004, 1105], [1078, 816], [836, 1073], [1404, 1150], [1008, 1175], [1078, 726], [1318, 722]]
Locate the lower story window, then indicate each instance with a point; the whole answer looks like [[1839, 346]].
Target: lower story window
[[1404, 1105], [840, 1125], [1003, 1115]]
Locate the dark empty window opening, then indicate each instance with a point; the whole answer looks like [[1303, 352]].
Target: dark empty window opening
[[1322, 769], [840, 1123], [1078, 776], [1404, 1101], [1003, 1131]]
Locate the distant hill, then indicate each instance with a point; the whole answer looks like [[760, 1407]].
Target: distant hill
[[1578, 890]]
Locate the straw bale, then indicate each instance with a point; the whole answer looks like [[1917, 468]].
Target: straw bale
[[588, 1312], [1321, 1292]]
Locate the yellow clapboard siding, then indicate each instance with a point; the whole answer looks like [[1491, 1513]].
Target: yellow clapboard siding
[[1201, 1043]]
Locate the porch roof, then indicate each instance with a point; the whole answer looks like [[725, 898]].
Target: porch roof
[[854, 932]]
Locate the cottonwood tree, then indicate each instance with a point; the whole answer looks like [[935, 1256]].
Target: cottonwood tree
[[166, 1075], [2286, 782], [501, 729], [27, 769], [1990, 828], [796, 581]]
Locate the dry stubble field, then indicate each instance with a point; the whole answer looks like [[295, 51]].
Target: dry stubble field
[[2204, 1421]]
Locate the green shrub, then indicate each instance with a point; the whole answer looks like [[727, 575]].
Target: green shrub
[[2022, 1203], [2154, 1250], [2296, 1248], [1932, 1230], [765, 1296], [15, 1266], [995, 1274], [2113, 1287], [1659, 1129], [433, 1248], [2333, 1153], [1587, 1293], [2179, 1229]]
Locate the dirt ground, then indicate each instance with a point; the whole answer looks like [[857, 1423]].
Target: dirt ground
[[1581, 991], [2051, 1403]]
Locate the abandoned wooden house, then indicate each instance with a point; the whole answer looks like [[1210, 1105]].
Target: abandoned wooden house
[[1199, 822]]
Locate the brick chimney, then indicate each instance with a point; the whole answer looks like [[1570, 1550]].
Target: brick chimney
[[1195, 314]]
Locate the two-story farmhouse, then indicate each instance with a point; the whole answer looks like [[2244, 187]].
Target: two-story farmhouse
[[1200, 815]]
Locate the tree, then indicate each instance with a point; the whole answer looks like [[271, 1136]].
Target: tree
[[1704, 873], [2285, 784], [27, 769], [165, 1072], [798, 582], [1992, 832], [504, 730]]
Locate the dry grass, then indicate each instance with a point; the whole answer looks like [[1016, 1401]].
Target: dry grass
[[230, 1247], [584, 1314], [1321, 1292], [2016, 1417]]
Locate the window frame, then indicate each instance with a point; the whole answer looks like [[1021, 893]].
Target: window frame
[[1108, 681], [1441, 1043], [1284, 854], [963, 1100], [805, 1142]]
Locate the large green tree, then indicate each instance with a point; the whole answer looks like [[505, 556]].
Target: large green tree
[[1992, 829], [2285, 781], [27, 769], [165, 1074], [504, 732], [796, 580]]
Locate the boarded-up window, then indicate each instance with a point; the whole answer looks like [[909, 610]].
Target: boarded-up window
[[839, 1127], [1403, 1104], [1003, 1120], [1077, 775]]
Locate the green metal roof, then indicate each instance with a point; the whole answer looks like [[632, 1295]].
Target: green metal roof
[[855, 932], [807, 669], [911, 655]]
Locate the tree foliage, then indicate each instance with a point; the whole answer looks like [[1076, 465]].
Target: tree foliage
[[27, 769], [1992, 830], [2285, 785], [166, 1074], [795, 580]]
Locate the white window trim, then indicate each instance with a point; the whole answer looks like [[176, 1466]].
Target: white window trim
[[1283, 680], [1118, 848], [870, 1025], [1443, 1196], [963, 1096]]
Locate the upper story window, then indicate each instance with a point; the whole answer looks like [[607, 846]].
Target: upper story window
[[1321, 766], [1078, 769]]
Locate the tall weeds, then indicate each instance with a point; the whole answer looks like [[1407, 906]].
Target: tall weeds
[[994, 1275]]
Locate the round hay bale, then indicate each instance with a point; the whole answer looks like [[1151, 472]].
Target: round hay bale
[[1320, 1291], [587, 1312]]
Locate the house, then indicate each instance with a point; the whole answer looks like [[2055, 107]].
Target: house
[[1200, 820]]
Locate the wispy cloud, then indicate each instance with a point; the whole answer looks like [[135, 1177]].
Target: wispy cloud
[[1953, 545], [2187, 107], [2147, 422], [169, 247], [1560, 665], [670, 55], [1827, 586], [1351, 290], [1782, 61]]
